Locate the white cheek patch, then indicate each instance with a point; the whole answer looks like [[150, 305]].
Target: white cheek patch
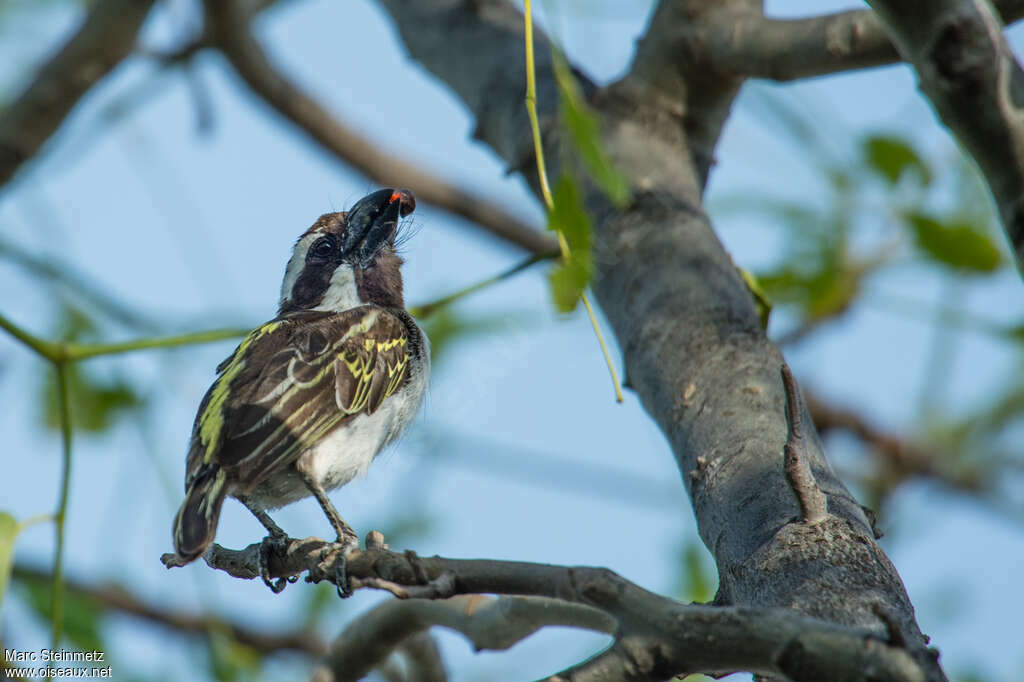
[[295, 265], [341, 293]]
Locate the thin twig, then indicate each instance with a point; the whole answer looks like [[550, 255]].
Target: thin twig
[[116, 598], [427, 309], [545, 187], [57, 596], [41, 347], [71, 352]]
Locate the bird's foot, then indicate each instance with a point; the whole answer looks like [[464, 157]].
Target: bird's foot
[[342, 581], [273, 544]]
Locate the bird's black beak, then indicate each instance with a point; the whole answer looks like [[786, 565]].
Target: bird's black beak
[[372, 222]]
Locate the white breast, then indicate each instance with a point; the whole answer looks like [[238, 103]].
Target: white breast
[[347, 452]]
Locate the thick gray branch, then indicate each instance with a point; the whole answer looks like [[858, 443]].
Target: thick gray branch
[[749, 44], [662, 637], [488, 623], [105, 38], [965, 67], [693, 346], [231, 32]]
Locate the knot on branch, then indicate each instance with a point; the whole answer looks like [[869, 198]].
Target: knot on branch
[[813, 503]]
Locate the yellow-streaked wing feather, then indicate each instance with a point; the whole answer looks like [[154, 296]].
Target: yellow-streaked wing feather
[[291, 382]]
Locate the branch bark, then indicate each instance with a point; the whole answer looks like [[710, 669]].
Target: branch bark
[[693, 347], [750, 44], [230, 30], [488, 623], [656, 637], [104, 39], [967, 70]]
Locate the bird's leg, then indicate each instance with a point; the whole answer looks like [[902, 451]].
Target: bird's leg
[[275, 543], [264, 518], [346, 536]]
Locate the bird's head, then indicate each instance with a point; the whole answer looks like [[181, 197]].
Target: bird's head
[[347, 259]]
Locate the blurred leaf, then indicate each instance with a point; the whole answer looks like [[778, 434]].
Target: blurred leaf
[[697, 582], [95, 402], [820, 293], [761, 302], [1015, 333], [570, 277], [585, 133], [83, 616], [446, 326], [955, 243], [892, 157], [230, 660], [8, 532]]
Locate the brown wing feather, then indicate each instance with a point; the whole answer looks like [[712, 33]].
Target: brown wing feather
[[291, 382]]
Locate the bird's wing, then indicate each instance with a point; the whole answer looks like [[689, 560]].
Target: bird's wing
[[289, 383]]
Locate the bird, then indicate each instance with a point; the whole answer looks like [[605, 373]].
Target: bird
[[307, 400]]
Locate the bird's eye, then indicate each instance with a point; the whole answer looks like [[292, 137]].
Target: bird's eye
[[323, 247]]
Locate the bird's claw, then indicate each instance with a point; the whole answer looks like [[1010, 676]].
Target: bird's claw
[[342, 582], [275, 544]]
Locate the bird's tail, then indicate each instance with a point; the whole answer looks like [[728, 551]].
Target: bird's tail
[[196, 522]]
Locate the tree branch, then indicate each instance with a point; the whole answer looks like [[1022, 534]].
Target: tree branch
[[105, 38], [967, 70], [663, 637], [118, 599], [488, 623], [231, 32], [693, 346], [901, 457], [749, 44], [423, 658]]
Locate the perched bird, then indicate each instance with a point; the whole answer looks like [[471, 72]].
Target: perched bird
[[308, 399]]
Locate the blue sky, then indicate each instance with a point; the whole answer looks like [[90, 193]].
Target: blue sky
[[197, 229]]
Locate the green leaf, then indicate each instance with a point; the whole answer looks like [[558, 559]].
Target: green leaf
[[892, 157], [230, 660], [822, 291], [585, 133], [956, 244], [445, 327], [697, 581], [761, 300], [1015, 332], [8, 532], [95, 403], [569, 278]]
